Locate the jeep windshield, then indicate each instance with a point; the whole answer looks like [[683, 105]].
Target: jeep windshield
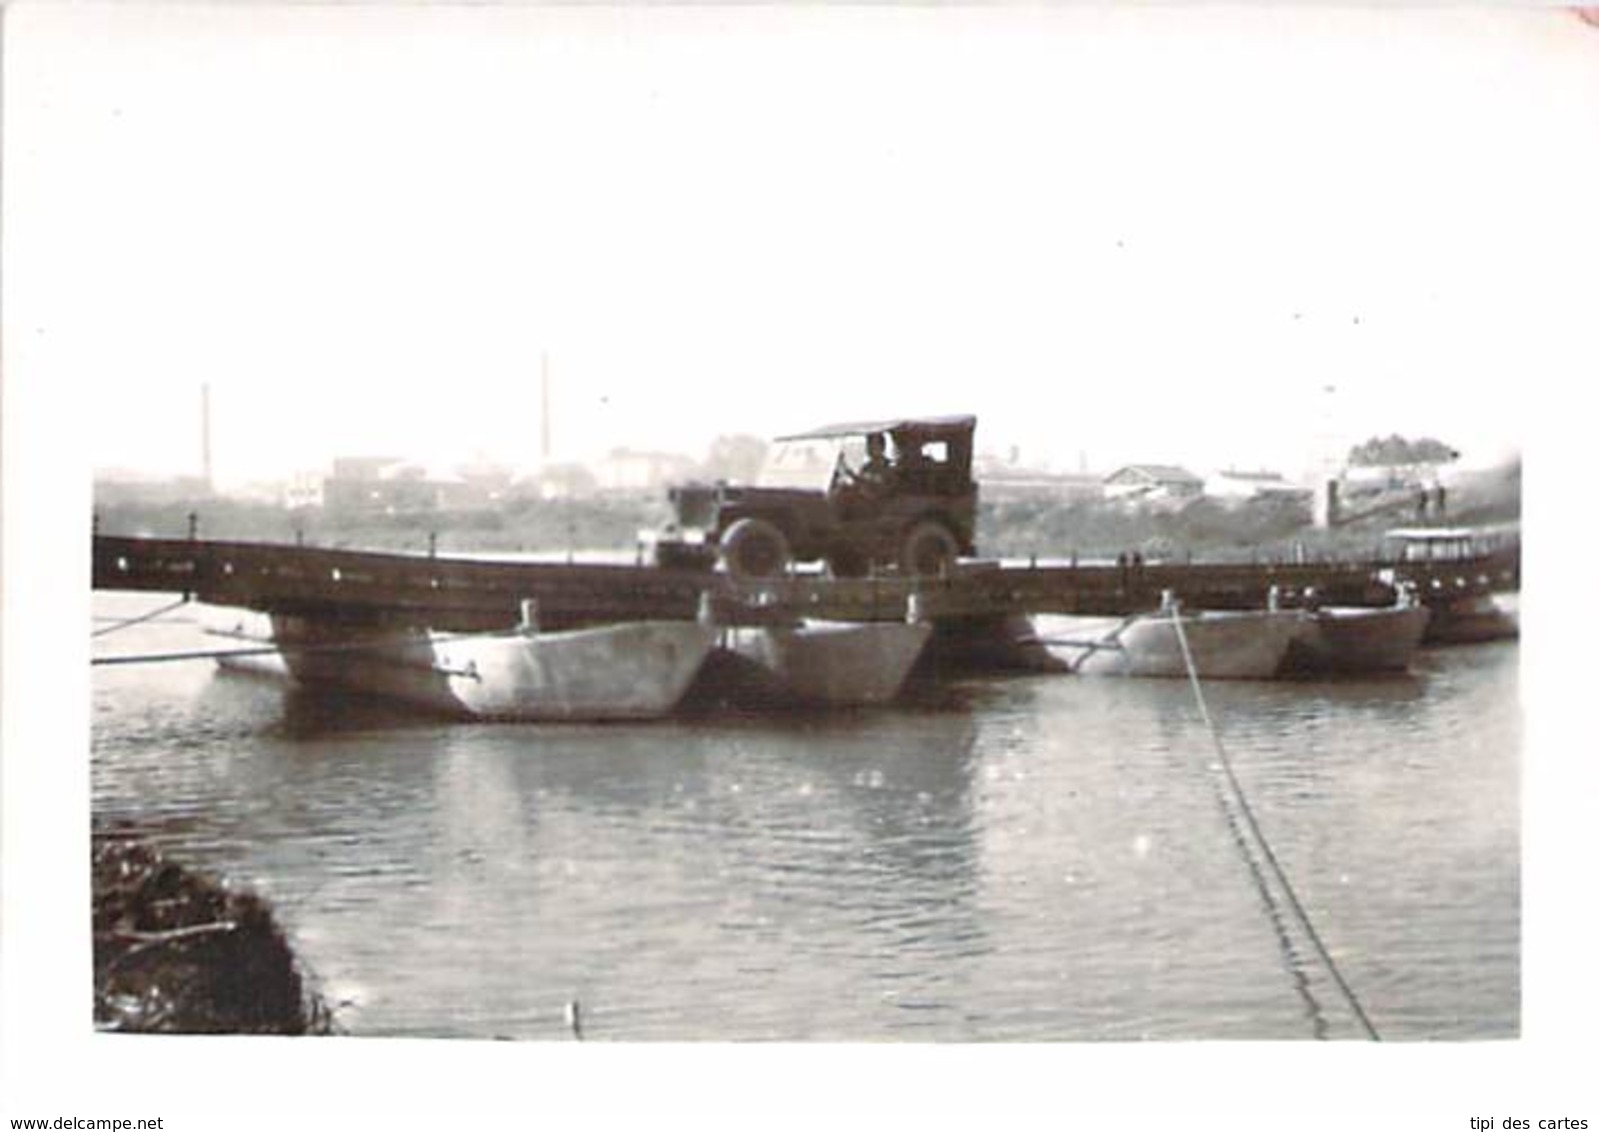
[[810, 464]]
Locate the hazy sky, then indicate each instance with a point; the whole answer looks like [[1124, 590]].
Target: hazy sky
[[1139, 234]]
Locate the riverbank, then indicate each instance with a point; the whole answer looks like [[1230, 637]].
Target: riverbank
[[177, 951]]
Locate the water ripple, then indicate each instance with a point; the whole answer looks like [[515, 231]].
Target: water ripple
[[1033, 858]]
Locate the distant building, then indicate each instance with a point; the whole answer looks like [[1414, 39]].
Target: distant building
[[1003, 477], [478, 486], [381, 485], [555, 481], [485, 483], [359, 485], [999, 485], [356, 469], [305, 490], [1233, 486], [626, 470], [265, 493], [1153, 485]]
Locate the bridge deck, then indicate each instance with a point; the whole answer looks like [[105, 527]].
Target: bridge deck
[[462, 594]]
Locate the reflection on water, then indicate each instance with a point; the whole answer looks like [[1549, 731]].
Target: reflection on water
[[1022, 858]]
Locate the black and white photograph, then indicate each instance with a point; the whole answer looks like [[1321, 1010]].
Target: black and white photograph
[[831, 535]]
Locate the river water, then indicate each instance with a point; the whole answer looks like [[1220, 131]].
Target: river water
[[997, 858]]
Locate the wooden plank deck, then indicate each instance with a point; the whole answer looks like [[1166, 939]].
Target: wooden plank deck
[[467, 595]]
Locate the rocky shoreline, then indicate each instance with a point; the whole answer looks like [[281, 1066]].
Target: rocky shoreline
[[177, 951]]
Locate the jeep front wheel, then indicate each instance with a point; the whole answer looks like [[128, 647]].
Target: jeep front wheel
[[928, 549], [754, 548]]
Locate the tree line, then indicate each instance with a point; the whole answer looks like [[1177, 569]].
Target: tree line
[[1395, 449]]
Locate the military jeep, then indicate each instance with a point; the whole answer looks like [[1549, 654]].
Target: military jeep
[[892, 496]]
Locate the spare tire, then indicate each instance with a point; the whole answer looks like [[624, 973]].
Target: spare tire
[[754, 548], [928, 549]]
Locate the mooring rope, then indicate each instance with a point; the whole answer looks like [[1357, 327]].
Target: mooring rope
[[199, 654], [1260, 838], [141, 618], [1110, 642]]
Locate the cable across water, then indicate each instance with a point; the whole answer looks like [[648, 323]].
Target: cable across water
[[299, 649], [151, 615], [1266, 852]]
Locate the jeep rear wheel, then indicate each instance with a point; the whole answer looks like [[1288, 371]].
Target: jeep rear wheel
[[754, 548], [928, 549]]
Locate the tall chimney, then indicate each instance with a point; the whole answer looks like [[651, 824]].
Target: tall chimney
[[205, 434], [544, 408]]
